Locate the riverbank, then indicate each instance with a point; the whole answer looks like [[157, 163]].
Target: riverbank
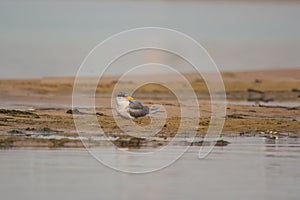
[[37, 113]]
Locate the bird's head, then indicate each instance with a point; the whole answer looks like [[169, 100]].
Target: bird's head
[[122, 97]]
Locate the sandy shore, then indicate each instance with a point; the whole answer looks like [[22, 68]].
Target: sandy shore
[[264, 103]]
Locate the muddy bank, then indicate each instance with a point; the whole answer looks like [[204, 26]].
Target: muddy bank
[[252, 85], [239, 118], [55, 127], [30, 109], [120, 142]]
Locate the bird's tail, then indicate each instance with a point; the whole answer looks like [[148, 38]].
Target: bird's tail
[[153, 110]]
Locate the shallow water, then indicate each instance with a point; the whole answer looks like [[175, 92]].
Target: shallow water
[[248, 168]]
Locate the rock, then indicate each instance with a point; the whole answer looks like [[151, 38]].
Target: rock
[[18, 113], [255, 91], [74, 111], [16, 132], [30, 129], [235, 116], [293, 108], [101, 114], [272, 137], [267, 99], [295, 90], [221, 143], [133, 142], [48, 130]]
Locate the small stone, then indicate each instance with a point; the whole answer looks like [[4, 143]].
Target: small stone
[[74, 111]]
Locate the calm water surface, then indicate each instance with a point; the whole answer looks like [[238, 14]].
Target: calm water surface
[[249, 168]]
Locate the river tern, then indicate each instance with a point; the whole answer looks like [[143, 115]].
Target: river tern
[[128, 107]]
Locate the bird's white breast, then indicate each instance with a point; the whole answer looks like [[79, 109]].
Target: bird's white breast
[[123, 107]]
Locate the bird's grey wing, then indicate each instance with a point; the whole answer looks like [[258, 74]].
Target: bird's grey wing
[[139, 112], [136, 109], [134, 104]]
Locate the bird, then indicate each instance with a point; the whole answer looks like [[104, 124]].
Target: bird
[[128, 107]]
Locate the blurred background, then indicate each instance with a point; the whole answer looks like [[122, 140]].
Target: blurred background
[[41, 38]]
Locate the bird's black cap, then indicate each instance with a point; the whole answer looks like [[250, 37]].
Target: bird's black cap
[[122, 94]]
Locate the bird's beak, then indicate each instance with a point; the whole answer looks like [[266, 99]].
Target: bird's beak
[[130, 98]]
